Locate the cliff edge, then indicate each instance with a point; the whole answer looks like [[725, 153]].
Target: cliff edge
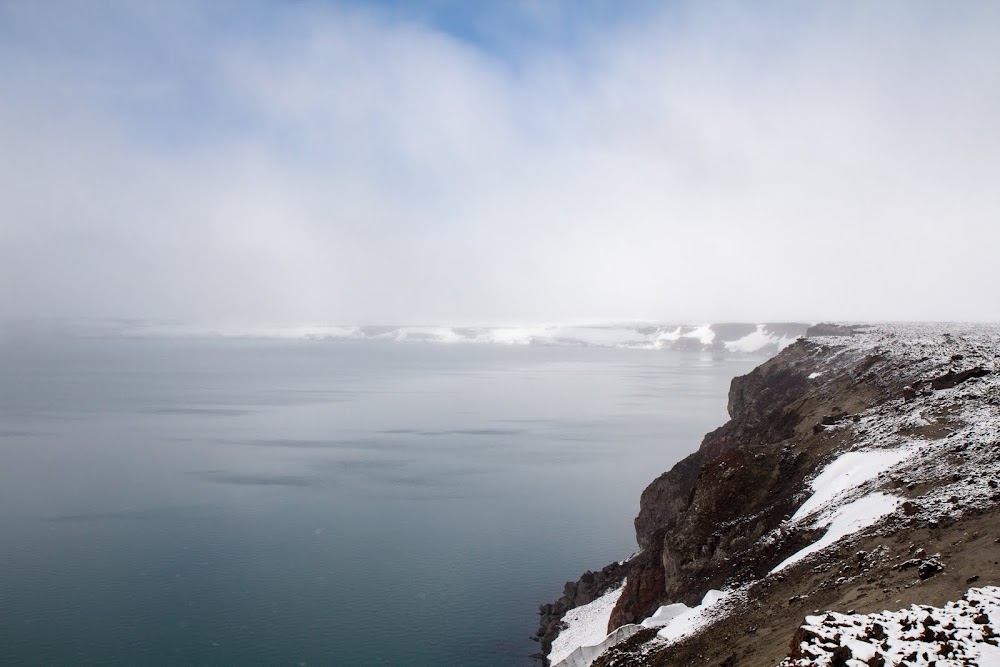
[[854, 451]]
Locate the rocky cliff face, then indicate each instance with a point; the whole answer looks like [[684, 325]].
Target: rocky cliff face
[[719, 519]]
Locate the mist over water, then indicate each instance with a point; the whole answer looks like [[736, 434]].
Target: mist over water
[[344, 332], [237, 501]]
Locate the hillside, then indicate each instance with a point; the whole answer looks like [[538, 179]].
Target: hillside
[[858, 473]]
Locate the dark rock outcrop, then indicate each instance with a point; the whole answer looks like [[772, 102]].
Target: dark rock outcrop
[[719, 516], [828, 329], [954, 378], [714, 505]]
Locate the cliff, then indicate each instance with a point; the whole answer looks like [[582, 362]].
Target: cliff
[[921, 401]]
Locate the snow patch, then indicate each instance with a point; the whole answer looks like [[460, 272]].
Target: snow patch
[[661, 338], [665, 615], [586, 625], [846, 520], [513, 335], [759, 340], [850, 471], [421, 334], [703, 334], [678, 620]]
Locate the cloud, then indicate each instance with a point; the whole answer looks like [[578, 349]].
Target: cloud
[[291, 163]]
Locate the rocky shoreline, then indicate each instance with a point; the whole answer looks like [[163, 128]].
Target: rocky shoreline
[[589, 587], [722, 517]]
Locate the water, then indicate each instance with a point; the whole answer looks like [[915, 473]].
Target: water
[[297, 502]]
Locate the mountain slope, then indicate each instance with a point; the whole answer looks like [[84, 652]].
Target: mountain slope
[[908, 415]]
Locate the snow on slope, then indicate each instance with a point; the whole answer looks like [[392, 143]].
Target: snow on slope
[[586, 625], [586, 636], [678, 620], [850, 471], [832, 490], [846, 520], [703, 334], [759, 340], [959, 633]]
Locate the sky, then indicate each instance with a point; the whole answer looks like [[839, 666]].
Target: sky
[[499, 162]]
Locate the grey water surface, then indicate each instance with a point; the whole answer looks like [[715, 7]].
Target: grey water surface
[[315, 502]]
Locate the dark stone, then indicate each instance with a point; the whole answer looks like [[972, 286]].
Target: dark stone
[[951, 378], [802, 637], [876, 631], [830, 420], [840, 656], [929, 568], [828, 329]]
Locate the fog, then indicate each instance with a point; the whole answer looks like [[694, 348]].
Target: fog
[[361, 163]]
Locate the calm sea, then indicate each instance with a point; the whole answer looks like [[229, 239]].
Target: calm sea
[[327, 503]]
